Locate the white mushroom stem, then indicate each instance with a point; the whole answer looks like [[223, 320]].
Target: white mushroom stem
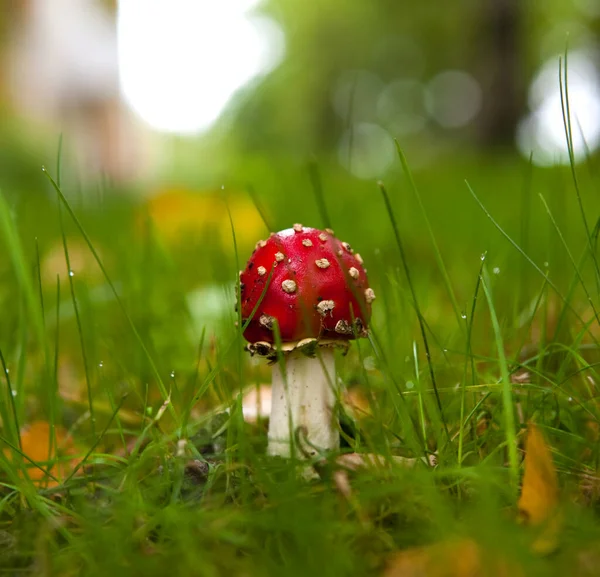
[[303, 401]]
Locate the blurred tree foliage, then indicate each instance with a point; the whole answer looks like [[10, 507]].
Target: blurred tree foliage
[[499, 42]]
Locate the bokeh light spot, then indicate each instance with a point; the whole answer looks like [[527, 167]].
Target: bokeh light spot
[[542, 132], [401, 107], [366, 150], [453, 98], [181, 61]]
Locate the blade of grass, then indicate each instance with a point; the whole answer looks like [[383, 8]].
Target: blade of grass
[[183, 432], [146, 352], [236, 416], [22, 361], [59, 159], [525, 228], [27, 458], [436, 249], [419, 391], [56, 336], [566, 115], [17, 256], [468, 357], [53, 390], [96, 442], [529, 260], [86, 369], [11, 398], [413, 440], [111, 400], [507, 399], [415, 302], [570, 294], [259, 207], [51, 400], [214, 371], [569, 254]]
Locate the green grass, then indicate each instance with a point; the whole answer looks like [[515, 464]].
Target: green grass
[[147, 379]]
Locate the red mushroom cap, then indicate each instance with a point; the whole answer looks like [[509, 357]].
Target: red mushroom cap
[[317, 288]]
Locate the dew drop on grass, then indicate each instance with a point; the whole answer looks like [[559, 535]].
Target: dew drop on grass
[[71, 273], [496, 270], [14, 393], [546, 264], [482, 257], [172, 374], [463, 315], [409, 385], [570, 399], [101, 364]]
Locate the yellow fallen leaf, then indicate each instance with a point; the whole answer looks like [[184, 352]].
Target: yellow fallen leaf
[[538, 504], [180, 212], [538, 507], [452, 558], [35, 440]]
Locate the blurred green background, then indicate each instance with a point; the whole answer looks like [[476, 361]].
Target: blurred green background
[[167, 114], [160, 117], [167, 124]]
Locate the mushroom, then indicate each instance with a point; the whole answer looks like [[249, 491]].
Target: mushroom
[[311, 295]]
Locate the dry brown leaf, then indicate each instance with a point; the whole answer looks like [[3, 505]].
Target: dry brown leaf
[[538, 504], [454, 558]]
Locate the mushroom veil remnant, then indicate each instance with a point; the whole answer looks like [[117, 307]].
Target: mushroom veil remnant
[[311, 294]]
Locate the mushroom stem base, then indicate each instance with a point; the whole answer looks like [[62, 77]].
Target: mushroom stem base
[[302, 405]]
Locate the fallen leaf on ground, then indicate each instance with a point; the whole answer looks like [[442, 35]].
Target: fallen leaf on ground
[[35, 440], [538, 504], [453, 558], [538, 508], [179, 212]]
